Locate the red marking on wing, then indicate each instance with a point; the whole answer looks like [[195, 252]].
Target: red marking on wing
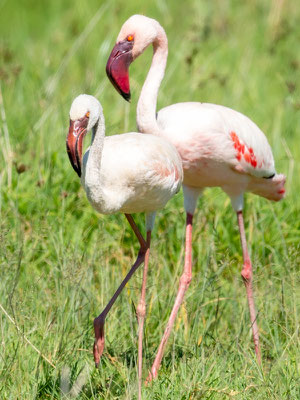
[[281, 191], [244, 151], [253, 162], [247, 158]]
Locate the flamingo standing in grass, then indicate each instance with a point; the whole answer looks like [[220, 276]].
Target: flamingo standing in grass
[[130, 173], [218, 147]]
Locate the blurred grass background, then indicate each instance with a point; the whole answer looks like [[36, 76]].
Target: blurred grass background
[[61, 262]]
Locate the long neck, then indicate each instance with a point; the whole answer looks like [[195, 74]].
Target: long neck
[[93, 163], [146, 107]]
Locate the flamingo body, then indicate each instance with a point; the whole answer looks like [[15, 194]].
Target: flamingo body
[[221, 147], [139, 173]]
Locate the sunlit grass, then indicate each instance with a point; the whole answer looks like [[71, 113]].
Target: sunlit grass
[[61, 262]]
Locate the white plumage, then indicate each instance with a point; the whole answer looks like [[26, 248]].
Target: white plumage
[[127, 173], [137, 174], [221, 147]]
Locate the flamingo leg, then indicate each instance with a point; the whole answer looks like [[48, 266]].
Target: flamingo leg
[[136, 230], [185, 281], [247, 276], [100, 320], [141, 312]]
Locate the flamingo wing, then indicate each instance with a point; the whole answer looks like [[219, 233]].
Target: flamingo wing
[[218, 134]]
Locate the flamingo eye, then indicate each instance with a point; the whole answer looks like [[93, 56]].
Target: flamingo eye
[[87, 114], [130, 38]]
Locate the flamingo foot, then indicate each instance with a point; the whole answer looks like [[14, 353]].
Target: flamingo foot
[[152, 375], [99, 343]]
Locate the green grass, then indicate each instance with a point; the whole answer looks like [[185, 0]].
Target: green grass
[[61, 262]]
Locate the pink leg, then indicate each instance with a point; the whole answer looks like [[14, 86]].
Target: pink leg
[[247, 276], [183, 286], [100, 320], [141, 312]]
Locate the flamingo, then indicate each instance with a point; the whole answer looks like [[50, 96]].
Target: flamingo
[[130, 173], [218, 147]]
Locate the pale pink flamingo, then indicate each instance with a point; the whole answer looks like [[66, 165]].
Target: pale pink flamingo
[[218, 147], [130, 173]]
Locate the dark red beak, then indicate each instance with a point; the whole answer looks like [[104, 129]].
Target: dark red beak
[[77, 131], [117, 67]]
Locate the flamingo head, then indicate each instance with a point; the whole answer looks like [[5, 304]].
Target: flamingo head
[[84, 115], [137, 33]]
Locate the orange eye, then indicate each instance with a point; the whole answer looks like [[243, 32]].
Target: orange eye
[[87, 114], [130, 38]]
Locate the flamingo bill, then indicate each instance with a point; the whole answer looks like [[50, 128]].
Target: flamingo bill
[[117, 67], [77, 131]]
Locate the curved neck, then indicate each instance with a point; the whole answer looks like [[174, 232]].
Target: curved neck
[[146, 107], [93, 163]]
